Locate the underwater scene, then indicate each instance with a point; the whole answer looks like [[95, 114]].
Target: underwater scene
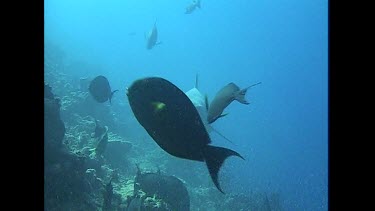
[[185, 105]]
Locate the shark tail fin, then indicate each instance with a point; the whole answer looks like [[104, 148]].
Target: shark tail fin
[[110, 97], [215, 157], [240, 95]]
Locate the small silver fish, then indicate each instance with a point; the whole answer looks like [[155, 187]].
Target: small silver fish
[[193, 5], [152, 38]]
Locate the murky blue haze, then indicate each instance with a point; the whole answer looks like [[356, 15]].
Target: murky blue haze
[[283, 133]]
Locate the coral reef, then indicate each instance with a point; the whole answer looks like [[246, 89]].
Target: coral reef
[[79, 177]]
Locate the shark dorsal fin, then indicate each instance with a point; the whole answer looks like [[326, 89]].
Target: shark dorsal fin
[[196, 81]]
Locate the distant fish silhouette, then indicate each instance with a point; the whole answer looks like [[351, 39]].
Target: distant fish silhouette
[[169, 188], [152, 38], [192, 6], [100, 90]]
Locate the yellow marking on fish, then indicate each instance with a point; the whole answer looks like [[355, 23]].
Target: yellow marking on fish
[[158, 106]]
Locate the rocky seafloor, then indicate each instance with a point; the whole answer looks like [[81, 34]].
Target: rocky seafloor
[[77, 177]]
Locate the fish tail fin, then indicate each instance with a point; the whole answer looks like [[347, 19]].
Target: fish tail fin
[[215, 157], [240, 96], [110, 97]]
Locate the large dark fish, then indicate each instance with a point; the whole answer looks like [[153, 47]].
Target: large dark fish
[[173, 122], [169, 188], [100, 90], [152, 38], [193, 5], [223, 98]]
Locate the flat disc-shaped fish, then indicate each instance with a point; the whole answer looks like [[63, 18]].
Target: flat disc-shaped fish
[[173, 122], [100, 90]]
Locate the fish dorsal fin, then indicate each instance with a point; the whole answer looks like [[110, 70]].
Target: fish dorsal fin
[[155, 22], [196, 81]]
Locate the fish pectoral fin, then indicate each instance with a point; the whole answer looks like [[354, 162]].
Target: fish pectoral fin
[[223, 115], [215, 157]]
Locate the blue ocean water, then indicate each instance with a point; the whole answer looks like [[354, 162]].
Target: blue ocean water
[[283, 133]]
